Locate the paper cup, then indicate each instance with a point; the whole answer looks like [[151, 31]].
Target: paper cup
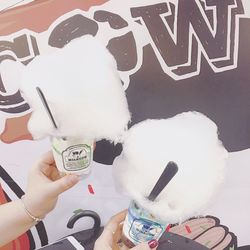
[[141, 226], [72, 155]]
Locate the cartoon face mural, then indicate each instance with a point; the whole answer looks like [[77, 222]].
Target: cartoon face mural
[[172, 56], [179, 44]]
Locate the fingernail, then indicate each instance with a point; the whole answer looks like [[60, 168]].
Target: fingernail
[[153, 244]]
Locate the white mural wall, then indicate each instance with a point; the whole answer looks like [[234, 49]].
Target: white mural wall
[[134, 28]]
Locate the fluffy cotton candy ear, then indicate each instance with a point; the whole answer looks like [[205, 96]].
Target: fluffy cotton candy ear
[[35, 128], [83, 90], [11, 73], [191, 141]]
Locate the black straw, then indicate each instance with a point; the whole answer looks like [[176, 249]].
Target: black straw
[[45, 104], [169, 172]]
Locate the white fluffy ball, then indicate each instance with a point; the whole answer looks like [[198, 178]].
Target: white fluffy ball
[[189, 139], [83, 90]]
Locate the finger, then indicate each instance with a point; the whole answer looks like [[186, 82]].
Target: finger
[[117, 237], [116, 220], [111, 227], [215, 236], [50, 171], [194, 227], [226, 243], [59, 186], [55, 175], [46, 170], [47, 158], [118, 233]]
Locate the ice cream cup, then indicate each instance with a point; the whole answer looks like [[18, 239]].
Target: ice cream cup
[[72, 154], [141, 226]]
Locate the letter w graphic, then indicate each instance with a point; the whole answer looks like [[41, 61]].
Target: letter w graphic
[[181, 33]]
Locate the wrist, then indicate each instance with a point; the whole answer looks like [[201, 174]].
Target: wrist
[[31, 214]]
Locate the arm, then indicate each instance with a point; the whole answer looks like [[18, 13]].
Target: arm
[[44, 187], [14, 221]]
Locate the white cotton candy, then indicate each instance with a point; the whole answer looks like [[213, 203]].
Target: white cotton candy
[[190, 140], [83, 90]]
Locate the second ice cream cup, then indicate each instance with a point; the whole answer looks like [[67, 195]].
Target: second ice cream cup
[[141, 226]]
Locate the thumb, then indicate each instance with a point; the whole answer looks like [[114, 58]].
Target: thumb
[[59, 186], [147, 246]]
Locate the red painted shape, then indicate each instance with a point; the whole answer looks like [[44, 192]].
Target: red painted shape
[[91, 190], [188, 229], [168, 228]]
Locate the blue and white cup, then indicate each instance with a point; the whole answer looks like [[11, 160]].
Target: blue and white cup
[[141, 226]]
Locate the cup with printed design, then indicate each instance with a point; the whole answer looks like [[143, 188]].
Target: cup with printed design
[[141, 226], [72, 154]]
